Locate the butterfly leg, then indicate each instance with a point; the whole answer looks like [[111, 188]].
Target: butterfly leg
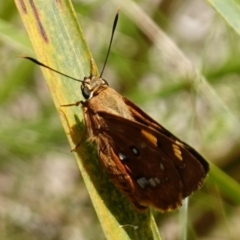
[[84, 133], [80, 141], [72, 104]]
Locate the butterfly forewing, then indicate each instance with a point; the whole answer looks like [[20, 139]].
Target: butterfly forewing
[[145, 161], [162, 171], [194, 165]]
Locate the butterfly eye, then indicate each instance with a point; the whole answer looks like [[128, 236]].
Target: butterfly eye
[[87, 94]]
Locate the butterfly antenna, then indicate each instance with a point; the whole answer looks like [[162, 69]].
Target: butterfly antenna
[[43, 65], [111, 39]]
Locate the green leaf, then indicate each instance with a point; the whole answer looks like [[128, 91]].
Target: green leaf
[[58, 42]]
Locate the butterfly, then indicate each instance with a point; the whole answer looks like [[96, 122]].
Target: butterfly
[[146, 162]]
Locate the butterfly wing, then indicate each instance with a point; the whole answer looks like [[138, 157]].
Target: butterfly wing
[[153, 168], [140, 116]]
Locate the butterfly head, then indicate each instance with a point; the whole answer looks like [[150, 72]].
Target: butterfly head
[[92, 85]]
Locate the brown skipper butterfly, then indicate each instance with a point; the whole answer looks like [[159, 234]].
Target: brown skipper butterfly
[[143, 159]]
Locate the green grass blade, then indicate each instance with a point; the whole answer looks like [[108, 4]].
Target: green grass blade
[[10, 33], [228, 186], [59, 42], [229, 10]]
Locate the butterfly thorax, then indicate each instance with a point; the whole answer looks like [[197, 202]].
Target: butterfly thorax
[[101, 98]]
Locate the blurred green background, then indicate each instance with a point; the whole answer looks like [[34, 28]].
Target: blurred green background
[[41, 191]]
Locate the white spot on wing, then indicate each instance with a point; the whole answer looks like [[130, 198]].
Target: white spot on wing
[[142, 182], [135, 151], [162, 166], [152, 182], [157, 180], [122, 157]]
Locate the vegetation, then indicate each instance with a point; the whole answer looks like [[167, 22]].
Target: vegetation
[[182, 68]]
